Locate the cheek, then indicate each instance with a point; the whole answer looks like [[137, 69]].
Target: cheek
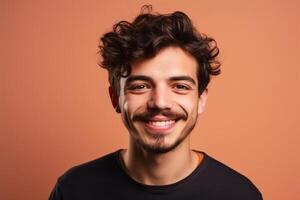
[[133, 103], [189, 104]]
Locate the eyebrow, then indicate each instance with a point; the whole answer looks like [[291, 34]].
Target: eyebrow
[[149, 79], [183, 78]]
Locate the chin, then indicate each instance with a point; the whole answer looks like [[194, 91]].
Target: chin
[[159, 146]]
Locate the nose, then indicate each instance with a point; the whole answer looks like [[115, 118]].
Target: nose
[[160, 99]]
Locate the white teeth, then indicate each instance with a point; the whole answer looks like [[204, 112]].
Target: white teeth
[[161, 123]]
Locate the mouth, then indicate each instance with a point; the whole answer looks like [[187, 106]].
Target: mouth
[[160, 126]]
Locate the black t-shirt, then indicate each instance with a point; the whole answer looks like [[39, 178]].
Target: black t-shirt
[[104, 178]]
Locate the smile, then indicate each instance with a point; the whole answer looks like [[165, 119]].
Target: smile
[[161, 123], [162, 126]]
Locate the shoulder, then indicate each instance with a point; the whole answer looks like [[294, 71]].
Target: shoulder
[[90, 172], [81, 181], [227, 180]]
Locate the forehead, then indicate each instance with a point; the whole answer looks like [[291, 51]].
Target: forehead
[[171, 61]]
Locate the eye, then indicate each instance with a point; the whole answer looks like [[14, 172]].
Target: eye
[[138, 87], [181, 87]]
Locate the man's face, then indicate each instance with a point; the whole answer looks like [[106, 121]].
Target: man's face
[[159, 100]]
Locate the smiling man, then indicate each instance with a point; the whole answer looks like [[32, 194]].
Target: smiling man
[[159, 68]]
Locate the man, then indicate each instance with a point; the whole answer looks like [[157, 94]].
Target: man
[[159, 68]]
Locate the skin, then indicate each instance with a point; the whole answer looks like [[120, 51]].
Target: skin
[[159, 104]]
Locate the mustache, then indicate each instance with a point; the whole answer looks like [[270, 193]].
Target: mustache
[[147, 115]]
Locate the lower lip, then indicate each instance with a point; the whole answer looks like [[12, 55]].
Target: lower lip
[[159, 129]]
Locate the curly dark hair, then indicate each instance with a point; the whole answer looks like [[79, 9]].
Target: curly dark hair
[[147, 35]]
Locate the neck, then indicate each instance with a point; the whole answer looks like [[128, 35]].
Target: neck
[[160, 169]]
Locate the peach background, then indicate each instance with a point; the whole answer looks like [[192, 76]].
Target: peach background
[[54, 106]]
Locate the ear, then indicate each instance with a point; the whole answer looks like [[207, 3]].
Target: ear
[[114, 99], [202, 101]]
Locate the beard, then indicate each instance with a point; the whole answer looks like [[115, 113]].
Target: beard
[[158, 141], [159, 146]]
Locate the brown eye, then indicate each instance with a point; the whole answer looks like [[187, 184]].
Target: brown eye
[[138, 87], [181, 87]]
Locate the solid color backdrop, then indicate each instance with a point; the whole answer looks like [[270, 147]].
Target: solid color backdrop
[[55, 110]]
